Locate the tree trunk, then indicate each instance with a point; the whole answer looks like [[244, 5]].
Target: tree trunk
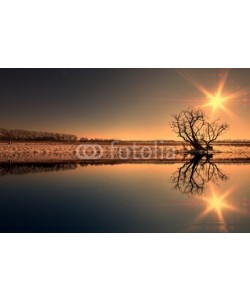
[[197, 146]]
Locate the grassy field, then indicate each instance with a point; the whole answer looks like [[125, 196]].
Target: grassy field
[[123, 150]]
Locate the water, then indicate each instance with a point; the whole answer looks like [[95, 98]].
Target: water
[[178, 197]]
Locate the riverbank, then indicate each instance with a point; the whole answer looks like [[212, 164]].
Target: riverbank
[[25, 152]]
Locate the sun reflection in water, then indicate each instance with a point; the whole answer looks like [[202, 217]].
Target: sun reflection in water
[[217, 205]]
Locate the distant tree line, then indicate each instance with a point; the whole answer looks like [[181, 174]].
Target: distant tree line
[[24, 135], [95, 140]]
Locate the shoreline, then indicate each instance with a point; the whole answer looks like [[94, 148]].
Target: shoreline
[[20, 168], [53, 152]]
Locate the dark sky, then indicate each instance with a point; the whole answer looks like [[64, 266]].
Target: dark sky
[[113, 103]]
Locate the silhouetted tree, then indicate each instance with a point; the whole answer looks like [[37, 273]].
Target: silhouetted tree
[[193, 126]]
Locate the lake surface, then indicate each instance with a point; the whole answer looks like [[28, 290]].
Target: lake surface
[[160, 197]]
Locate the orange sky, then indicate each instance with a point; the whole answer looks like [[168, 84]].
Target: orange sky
[[119, 103], [152, 120]]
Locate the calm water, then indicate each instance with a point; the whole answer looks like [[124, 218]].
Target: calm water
[[125, 198]]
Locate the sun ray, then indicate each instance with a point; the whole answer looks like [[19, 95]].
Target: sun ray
[[195, 83], [236, 95], [222, 82]]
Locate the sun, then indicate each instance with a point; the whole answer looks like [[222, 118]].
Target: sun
[[216, 102], [219, 100]]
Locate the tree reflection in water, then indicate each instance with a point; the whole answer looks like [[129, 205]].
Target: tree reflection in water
[[193, 176]]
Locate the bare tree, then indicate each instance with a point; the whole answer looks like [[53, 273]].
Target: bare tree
[[193, 126], [211, 131]]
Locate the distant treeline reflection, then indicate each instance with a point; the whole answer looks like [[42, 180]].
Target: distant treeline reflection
[[32, 168], [21, 169]]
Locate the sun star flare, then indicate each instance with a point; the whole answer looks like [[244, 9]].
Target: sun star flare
[[218, 100]]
